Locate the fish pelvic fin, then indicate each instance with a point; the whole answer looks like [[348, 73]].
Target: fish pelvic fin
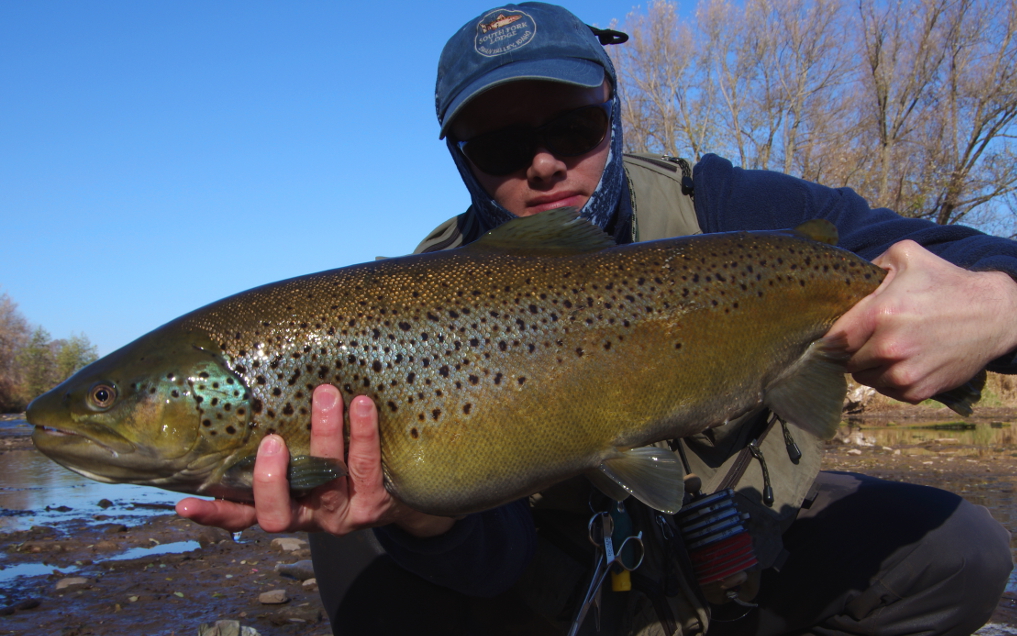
[[819, 230], [652, 475], [811, 392], [963, 398], [304, 473], [558, 230]]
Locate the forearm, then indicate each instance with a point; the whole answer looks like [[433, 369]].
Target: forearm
[[481, 555]]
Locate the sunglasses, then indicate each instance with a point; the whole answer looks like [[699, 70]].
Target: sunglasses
[[503, 151]]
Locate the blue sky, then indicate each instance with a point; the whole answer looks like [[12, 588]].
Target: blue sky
[[158, 156]]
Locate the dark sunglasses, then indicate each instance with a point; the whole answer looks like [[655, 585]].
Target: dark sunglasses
[[503, 151]]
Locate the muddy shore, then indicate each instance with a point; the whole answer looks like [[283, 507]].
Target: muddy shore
[[219, 578]]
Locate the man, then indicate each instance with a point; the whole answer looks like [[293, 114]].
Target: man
[[527, 99]]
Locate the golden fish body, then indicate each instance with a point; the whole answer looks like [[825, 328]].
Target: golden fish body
[[535, 354]]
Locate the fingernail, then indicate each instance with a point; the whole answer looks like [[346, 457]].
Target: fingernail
[[362, 406], [326, 398], [270, 446]]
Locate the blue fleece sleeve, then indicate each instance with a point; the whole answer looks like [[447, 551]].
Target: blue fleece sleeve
[[730, 199], [482, 555]]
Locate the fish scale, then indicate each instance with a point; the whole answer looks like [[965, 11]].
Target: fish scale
[[521, 360]]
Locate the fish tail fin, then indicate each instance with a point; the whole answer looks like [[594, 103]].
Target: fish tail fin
[[811, 392], [652, 475], [964, 397]]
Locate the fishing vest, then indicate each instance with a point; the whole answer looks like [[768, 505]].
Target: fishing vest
[[768, 463]]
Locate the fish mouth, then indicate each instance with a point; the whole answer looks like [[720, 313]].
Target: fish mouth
[[51, 438]]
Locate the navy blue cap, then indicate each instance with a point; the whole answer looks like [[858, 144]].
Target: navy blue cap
[[531, 40]]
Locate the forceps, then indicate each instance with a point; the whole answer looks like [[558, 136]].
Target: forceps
[[601, 529]]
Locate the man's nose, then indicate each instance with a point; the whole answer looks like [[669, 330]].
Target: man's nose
[[545, 165]]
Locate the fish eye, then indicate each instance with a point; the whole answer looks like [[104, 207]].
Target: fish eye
[[102, 396]]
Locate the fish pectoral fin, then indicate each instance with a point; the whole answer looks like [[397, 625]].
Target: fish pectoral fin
[[306, 472], [819, 230], [810, 393], [652, 475], [961, 399]]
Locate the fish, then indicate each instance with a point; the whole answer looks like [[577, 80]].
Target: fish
[[540, 352]]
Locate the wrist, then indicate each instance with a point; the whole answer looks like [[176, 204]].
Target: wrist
[[1004, 291]]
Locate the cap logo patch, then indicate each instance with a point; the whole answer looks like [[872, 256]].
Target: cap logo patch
[[503, 31]]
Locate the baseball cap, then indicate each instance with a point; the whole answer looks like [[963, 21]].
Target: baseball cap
[[531, 40]]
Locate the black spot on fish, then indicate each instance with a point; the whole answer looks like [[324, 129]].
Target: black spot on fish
[[579, 353], [288, 409], [392, 406], [467, 407], [521, 380], [260, 379], [206, 422], [256, 405], [215, 401], [203, 374], [443, 371], [502, 345], [405, 326], [414, 433], [497, 378], [436, 413], [231, 430], [175, 393], [376, 366], [607, 345]]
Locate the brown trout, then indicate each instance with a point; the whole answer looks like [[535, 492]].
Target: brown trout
[[540, 352]]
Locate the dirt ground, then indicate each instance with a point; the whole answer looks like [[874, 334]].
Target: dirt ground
[[173, 594]]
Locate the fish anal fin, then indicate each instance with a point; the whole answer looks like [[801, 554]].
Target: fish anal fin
[[652, 475], [558, 230], [811, 392]]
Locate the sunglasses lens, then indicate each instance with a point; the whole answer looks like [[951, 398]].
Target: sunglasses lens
[[501, 152], [504, 151], [578, 132]]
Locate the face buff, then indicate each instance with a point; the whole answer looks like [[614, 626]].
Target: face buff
[[607, 207]]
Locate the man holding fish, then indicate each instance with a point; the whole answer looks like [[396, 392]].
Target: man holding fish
[[527, 102]]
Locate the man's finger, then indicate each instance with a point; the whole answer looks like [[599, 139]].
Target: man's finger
[[271, 488], [365, 450], [223, 514], [327, 422]]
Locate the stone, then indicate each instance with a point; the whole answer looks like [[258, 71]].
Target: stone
[[854, 451], [304, 613], [105, 546], [211, 536], [71, 583], [310, 585], [114, 528], [226, 628], [301, 570], [289, 544], [274, 597], [104, 503]]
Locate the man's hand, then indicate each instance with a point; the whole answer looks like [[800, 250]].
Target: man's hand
[[930, 326], [339, 507]]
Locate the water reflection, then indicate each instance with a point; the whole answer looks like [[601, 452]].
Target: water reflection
[[994, 436]]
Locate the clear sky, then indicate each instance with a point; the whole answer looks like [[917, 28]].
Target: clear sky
[[158, 156]]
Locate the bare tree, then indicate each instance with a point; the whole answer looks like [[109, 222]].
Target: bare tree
[[913, 104]]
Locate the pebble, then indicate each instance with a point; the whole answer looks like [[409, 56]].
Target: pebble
[[71, 583], [289, 544], [274, 597], [104, 503], [310, 585], [105, 546], [211, 536], [301, 570], [854, 451]]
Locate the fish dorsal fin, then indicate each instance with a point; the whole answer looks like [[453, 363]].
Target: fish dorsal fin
[[819, 230], [559, 230]]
